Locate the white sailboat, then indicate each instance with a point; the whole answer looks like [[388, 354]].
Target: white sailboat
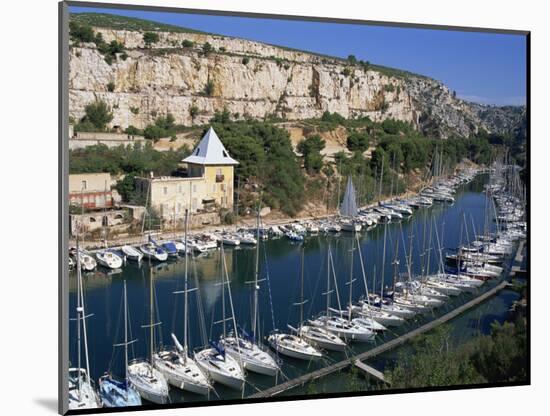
[[366, 310], [214, 361], [82, 392], [350, 329], [176, 365], [319, 336], [291, 345], [246, 349], [148, 381], [348, 209], [108, 259], [131, 253]]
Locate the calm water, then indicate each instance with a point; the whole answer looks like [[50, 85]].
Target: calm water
[[280, 263]]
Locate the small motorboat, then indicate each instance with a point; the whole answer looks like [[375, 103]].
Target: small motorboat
[[87, 262], [109, 259], [131, 253], [151, 251], [170, 248]]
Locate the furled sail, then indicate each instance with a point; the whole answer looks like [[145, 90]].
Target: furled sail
[[348, 207]]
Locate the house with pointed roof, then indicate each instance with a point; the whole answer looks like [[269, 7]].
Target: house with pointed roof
[[206, 186]]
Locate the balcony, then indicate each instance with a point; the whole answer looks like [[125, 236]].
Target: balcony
[[220, 178]]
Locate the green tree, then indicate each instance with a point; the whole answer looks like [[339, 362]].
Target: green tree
[[310, 148], [358, 141], [98, 113], [433, 362], [221, 117], [150, 37], [126, 188], [81, 33], [186, 43], [154, 132], [207, 48], [133, 131], [352, 59]]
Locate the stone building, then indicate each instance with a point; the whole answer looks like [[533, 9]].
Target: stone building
[[93, 190], [206, 187]]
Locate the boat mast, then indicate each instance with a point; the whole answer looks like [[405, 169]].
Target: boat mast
[[383, 266], [125, 335], [396, 262], [83, 313], [78, 312], [151, 333], [185, 300], [222, 264], [351, 276], [255, 321], [302, 287], [328, 279], [364, 275]]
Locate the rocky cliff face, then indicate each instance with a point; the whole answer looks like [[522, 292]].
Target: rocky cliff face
[[252, 79]]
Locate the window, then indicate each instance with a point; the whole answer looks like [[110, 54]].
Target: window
[[165, 190], [218, 171], [194, 188], [223, 187], [179, 189], [84, 185]]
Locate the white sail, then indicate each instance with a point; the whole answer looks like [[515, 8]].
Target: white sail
[[348, 207]]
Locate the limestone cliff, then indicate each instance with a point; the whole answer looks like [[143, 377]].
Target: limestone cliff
[[252, 79]]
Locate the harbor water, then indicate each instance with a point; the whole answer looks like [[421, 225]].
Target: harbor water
[[280, 261]]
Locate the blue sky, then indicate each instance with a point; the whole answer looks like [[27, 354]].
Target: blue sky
[[481, 67]]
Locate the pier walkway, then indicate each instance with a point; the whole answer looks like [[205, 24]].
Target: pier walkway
[[298, 381]]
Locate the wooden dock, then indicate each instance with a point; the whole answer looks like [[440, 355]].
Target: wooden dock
[[305, 378], [373, 372]]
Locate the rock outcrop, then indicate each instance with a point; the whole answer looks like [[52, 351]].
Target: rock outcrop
[[252, 79]]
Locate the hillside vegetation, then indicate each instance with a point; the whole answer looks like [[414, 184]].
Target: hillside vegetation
[[270, 170]]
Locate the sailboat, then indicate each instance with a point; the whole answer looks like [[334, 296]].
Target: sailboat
[[113, 392], [152, 251], [148, 381], [350, 329], [214, 361], [108, 257], [176, 365], [348, 209], [82, 392], [246, 349], [87, 262], [131, 253], [365, 309], [291, 345], [319, 336]]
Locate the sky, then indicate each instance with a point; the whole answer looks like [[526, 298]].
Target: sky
[[481, 67]]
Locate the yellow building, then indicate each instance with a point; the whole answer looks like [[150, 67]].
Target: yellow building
[[208, 185]]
